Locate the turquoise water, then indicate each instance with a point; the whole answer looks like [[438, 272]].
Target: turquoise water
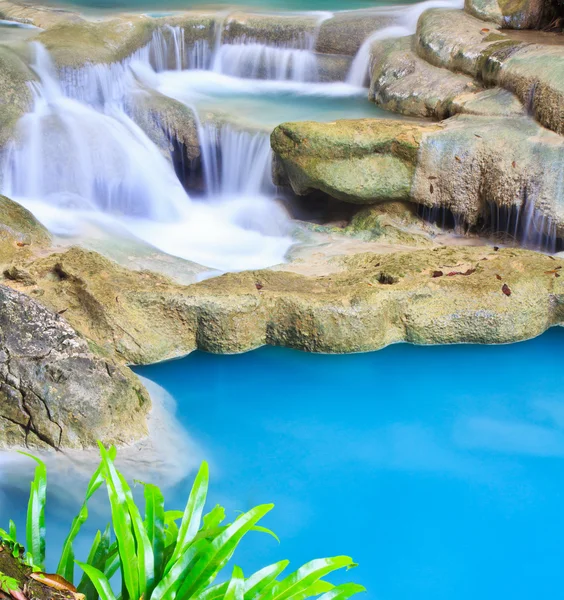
[[439, 469], [299, 5]]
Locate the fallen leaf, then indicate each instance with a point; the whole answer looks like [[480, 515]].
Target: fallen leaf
[[437, 274], [551, 257], [498, 277], [54, 581], [513, 164], [485, 30], [458, 158], [554, 272], [506, 290], [496, 248], [21, 244], [431, 188], [259, 286], [478, 136], [432, 177]]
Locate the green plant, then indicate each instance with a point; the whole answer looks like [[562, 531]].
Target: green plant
[[168, 555]]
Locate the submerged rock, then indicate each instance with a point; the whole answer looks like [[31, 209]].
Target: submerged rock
[[55, 393]]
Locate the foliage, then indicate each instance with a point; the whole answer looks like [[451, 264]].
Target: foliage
[[8, 584], [168, 555]]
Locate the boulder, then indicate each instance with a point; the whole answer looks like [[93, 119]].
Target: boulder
[[36, 14], [55, 393], [359, 161], [511, 14], [282, 30]]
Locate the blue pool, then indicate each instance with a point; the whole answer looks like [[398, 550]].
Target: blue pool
[[439, 469]]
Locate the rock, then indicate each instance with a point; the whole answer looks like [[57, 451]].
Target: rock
[[346, 31], [73, 45], [15, 94], [404, 83], [511, 14], [364, 302], [20, 232], [35, 14], [333, 67], [482, 163], [360, 161], [270, 29], [494, 102], [167, 121], [534, 72], [55, 393]]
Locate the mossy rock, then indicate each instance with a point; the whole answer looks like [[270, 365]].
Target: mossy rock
[[359, 161], [15, 94], [511, 14]]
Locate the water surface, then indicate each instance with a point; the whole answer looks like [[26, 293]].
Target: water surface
[[439, 469]]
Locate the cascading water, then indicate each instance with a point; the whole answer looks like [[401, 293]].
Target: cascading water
[[82, 160], [404, 23]]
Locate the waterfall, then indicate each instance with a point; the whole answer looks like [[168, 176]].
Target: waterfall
[[78, 159], [250, 59], [235, 161], [405, 23]]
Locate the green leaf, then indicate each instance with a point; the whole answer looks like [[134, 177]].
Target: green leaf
[[343, 592], [235, 590], [99, 580], [123, 528], [213, 592], [306, 576], [66, 563], [13, 530], [192, 515], [214, 518], [155, 527], [267, 531], [35, 524], [96, 558], [215, 557], [257, 582]]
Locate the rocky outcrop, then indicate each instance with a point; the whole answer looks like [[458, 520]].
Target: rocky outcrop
[[362, 161], [352, 303], [514, 14], [462, 43], [15, 94], [54, 391], [469, 165], [406, 84]]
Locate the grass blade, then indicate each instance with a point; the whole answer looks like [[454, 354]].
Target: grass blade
[[96, 558]]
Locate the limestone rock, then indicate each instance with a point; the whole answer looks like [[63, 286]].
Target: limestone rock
[[15, 94], [36, 14], [360, 161], [54, 392], [20, 232], [511, 14]]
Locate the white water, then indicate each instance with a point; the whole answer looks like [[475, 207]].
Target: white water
[[77, 162], [405, 23]]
